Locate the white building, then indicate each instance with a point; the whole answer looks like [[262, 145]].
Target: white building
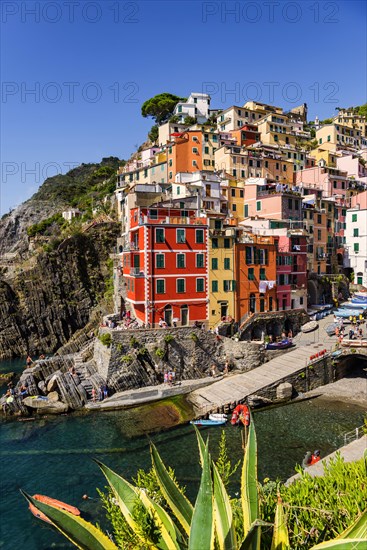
[[206, 186], [197, 106], [68, 215], [168, 130], [356, 240]]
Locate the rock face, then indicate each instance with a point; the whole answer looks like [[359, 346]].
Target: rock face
[[41, 307], [139, 359]]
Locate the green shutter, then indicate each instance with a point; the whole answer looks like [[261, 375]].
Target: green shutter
[[214, 263], [227, 263], [214, 286]]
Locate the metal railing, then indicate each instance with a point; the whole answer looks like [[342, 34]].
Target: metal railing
[[353, 435]]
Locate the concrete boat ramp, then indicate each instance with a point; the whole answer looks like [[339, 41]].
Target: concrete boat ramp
[[235, 388]]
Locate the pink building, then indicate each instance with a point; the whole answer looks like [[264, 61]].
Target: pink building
[[360, 199], [271, 201], [351, 164]]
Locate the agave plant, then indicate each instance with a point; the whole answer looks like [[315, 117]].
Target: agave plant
[[208, 524]]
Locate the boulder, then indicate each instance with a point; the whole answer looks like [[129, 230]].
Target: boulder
[[53, 396], [45, 405], [284, 391], [52, 383]]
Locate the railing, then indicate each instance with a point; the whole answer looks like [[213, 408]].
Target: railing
[[354, 435], [135, 272], [173, 220]]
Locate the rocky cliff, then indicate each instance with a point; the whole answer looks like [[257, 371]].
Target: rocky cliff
[[48, 299]]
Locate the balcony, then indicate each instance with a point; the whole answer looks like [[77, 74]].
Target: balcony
[[131, 246], [172, 220], [136, 272]]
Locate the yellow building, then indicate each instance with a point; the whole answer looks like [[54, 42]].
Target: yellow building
[[234, 192], [275, 129], [326, 153], [340, 136], [222, 283]]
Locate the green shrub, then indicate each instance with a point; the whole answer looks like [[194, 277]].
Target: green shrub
[[133, 342], [168, 338], [106, 339], [160, 353], [127, 359], [194, 337]]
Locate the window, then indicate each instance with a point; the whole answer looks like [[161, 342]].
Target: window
[[178, 187], [270, 303], [200, 285], [354, 217], [319, 218], [159, 235], [194, 150], [246, 211], [356, 247], [215, 243], [227, 243], [275, 137], [159, 261], [355, 232], [233, 192], [206, 150], [199, 260], [234, 207], [251, 274], [262, 274], [228, 286], [241, 193], [180, 236], [258, 205], [218, 224], [153, 214], [227, 263], [266, 164], [199, 234], [214, 263], [180, 261], [290, 204], [214, 286], [160, 286], [249, 255], [319, 234], [180, 285]]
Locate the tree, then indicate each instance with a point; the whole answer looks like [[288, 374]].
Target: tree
[[153, 134], [160, 107], [362, 110], [190, 120]]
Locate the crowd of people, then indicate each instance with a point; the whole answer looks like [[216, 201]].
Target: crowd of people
[[355, 331], [100, 393]]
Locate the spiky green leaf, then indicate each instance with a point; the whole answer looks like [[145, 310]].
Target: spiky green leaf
[[179, 504], [80, 532], [342, 544], [280, 533], [358, 530], [249, 493], [253, 535], [202, 524], [223, 517]]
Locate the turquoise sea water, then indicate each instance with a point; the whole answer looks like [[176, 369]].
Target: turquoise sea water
[[53, 456]]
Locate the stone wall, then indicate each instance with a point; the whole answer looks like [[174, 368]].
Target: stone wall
[[139, 358]]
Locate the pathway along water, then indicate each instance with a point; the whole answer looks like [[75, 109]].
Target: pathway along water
[[53, 456]]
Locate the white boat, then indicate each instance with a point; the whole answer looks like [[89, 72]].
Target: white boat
[[310, 326], [217, 417]]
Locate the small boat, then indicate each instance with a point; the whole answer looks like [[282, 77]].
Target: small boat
[[241, 414], [346, 313], [204, 422], [330, 329], [359, 300], [52, 502], [350, 305], [309, 327], [286, 343], [218, 416]]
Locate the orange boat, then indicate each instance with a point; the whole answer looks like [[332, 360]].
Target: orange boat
[[241, 414], [52, 502]]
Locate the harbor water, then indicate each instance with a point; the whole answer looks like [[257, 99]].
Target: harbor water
[[53, 456]]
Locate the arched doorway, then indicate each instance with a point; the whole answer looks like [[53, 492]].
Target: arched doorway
[[252, 303], [184, 315], [262, 304], [168, 314]]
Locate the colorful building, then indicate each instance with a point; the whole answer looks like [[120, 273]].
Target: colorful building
[[165, 265]]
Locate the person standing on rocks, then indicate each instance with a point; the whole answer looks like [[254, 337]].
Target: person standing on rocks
[[29, 361]]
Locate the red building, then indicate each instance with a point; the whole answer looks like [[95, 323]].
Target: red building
[[165, 265], [246, 135]]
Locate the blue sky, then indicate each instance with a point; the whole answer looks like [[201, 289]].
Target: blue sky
[[92, 64]]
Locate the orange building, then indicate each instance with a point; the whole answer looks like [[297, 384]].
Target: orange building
[[255, 274], [185, 153], [247, 135]]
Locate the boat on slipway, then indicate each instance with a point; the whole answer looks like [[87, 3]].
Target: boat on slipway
[[286, 343]]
